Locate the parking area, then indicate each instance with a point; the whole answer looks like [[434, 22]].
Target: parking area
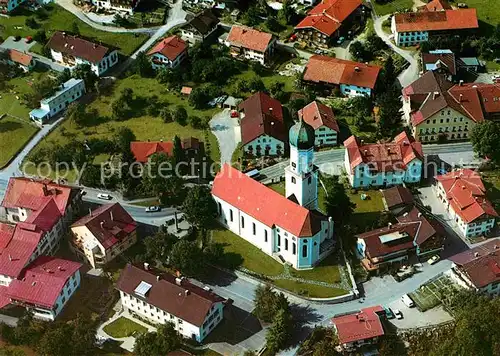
[[228, 133], [431, 294], [413, 318], [21, 45]]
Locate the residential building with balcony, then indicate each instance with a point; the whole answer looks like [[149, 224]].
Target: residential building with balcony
[[168, 53], [251, 44], [383, 164], [103, 234], [322, 120], [198, 28], [164, 298]]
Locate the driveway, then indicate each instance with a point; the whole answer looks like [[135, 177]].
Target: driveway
[[21, 45], [413, 318], [228, 133]]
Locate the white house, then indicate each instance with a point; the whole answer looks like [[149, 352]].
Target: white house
[[291, 229], [322, 120], [125, 6], [70, 51], [163, 298], [464, 196], [168, 53], [69, 92], [200, 27], [251, 44], [383, 164]]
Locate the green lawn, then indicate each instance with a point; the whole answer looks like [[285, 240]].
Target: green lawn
[[488, 12], [392, 6], [14, 134], [492, 184], [309, 290], [326, 271], [60, 19], [267, 77], [240, 252], [123, 327], [367, 211]]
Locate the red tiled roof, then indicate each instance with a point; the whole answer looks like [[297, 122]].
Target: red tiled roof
[[20, 57], [45, 217], [327, 16], [264, 204], [478, 98], [143, 150], [42, 281], [318, 115], [6, 233], [340, 71], [77, 47], [109, 224], [466, 194], [186, 301], [437, 5], [263, 116], [4, 299], [250, 38], [362, 325], [444, 59], [33, 194], [171, 47], [396, 196], [384, 157], [476, 252], [436, 20]]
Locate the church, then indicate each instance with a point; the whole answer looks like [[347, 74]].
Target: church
[[291, 229]]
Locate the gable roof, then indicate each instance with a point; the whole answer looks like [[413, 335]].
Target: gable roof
[[142, 150], [437, 5], [317, 115], [263, 115], [434, 61], [203, 22], [171, 47], [388, 157], [264, 204], [20, 57], [78, 47], [466, 195], [109, 224], [362, 325], [42, 281], [250, 38], [436, 20], [327, 16], [180, 298], [340, 71], [396, 196]]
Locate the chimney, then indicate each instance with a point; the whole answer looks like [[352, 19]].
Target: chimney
[[389, 150], [59, 268], [476, 254], [146, 266], [461, 96], [10, 257], [157, 278], [495, 247], [102, 225], [362, 142], [389, 225], [111, 216], [90, 212], [186, 293], [178, 281], [357, 69], [435, 95], [366, 152], [419, 215], [461, 82], [45, 190]]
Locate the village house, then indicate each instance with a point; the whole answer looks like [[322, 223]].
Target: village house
[[464, 196], [20, 59], [251, 44], [193, 148], [70, 51], [7, 6], [103, 234], [383, 164], [322, 120], [123, 6], [168, 53], [289, 228], [263, 131], [361, 328], [397, 199], [329, 20], [437, 18], [414, 234], [437, 109], [164, 298], [352, 78], [200, 27], [67, 93], [479, 268], [441, 61]]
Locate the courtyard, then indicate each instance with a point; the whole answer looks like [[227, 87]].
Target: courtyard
[[432, 294]]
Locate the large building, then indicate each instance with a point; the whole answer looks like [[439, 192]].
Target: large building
[[329, 20], [383, 164], [163, 298], [463, 194], [70, 51], [290, 228], [352, 78], [437, 18], [168, 53], [200, 27], [361, 328], [263, 131], [103, 234], [322, 120], [124, 6], [69, 92], [479, 268], [251, 44]]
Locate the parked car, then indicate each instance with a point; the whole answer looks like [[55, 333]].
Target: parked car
[[389, 313], [29, 39], [234, 114], [462, 5], [407, 301], [433, 259], [340, 40], [153, 209], [104, 196], [398, 314]]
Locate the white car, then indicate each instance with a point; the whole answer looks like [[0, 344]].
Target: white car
[[433, 259], [398, 314], [153, 209], [104, 196]]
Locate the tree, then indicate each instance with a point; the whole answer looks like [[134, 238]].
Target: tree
[[357, 51], [122, 139], [40, 36], [280, 331], [31, 22], [159, 246], [200, 208], [75, 113], [485, 139], [142, 65], [321, 342], [251, 17], [389, 73], [74, 28], [196, 122], [163, 341], [256, 84], [177, 151], [42, 88], [389, 119], [187, 257], [272, 24], [198, 98], [269, 302], [64, 76], [166, 114], [338, 204], [84, 71], [179, 114], [286, 13]]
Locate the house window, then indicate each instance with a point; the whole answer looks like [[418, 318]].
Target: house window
[[265, 235], [279, 240], [231, 215], [220, 208], [294, 248], [294, 165], [286, 244], [304, 251], [293, 180], [242, 222], [309, 180], [253, 228]]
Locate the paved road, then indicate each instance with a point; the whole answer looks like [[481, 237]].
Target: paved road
[[228, 133]]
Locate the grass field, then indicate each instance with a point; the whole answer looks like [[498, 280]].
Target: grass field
[[123, 327], [309, 290], [60, 19], [367, 211], [492, 184], [392, 6], [14, 134], [430, 294], [326, 271]]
